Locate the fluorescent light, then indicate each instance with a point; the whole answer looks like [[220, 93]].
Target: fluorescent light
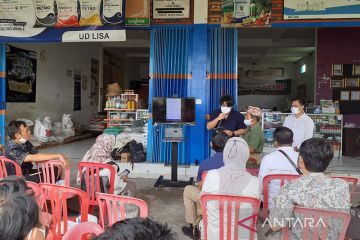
[[303, 68]]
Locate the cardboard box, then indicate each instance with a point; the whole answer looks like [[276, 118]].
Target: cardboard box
[[125, 158]]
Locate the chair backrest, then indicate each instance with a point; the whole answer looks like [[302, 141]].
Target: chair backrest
[[10, 163], [57, 196], [47, 169], [230, 200], [283, 178], [203, 176], [351, 180], [38, 193], [320, 220], [112, 207], [77, 232], [89, 173]]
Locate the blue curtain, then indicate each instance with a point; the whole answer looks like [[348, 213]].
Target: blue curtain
[[169, 75]]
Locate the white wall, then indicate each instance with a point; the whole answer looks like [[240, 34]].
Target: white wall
[[308, 77], [269, 101], [54, 94]]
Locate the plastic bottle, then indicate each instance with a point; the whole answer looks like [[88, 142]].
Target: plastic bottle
[[253, 9]]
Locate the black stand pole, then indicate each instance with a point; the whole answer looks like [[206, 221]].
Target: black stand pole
[[174, 166]]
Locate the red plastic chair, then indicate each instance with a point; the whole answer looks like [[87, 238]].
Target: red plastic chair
[[77, 232], [91, 178], [38, 193], [47, 171], [317, 226], [110, 204], [283, 178], [57, 195], [351, 180], [222, 199], [3, 171]]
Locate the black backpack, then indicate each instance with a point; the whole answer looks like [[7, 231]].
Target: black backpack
[[137, 152]]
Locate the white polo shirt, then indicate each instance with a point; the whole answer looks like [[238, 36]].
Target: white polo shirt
[[302, 127], [277, 163]]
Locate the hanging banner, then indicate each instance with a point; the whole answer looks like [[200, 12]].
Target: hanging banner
[[245, 13], [262, 82], [20, 75], [171, 9], [137, 13], [320, 9], [35, 18]]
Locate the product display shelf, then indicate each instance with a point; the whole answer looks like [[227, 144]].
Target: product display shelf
[[327, 126], [121, 110]]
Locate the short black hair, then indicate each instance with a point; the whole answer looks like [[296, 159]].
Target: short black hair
[[317, 154], [14, 127], [219, 141], [137, 229], [302, 101], [283, 136], [19, 213], [229, 100]]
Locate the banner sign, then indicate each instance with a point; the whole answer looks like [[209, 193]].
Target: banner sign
[[20, 75], [137, 13], [263, 82], [171, 9], [30, 18], [321, 9], [245, 13]]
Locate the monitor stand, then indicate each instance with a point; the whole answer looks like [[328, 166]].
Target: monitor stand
[[174, 166]]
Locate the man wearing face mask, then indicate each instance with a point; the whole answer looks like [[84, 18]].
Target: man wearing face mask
[[254, 135], [227, 118], [300, 123], [19, 149]]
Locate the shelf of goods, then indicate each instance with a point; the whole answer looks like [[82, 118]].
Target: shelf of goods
[[122, 110], [327, 126]]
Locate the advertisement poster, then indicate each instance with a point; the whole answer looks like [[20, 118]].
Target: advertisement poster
[[321, 9], [77, 90], [20, 75], [246, 13], [137, 13], [262, 82], [29, 18], [171, 9]]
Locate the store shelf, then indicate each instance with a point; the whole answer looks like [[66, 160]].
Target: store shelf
[[119, 120], [120, 110]]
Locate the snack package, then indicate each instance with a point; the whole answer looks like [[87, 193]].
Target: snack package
[[90, 13], [67, 13], [45, 13], [112, 12]]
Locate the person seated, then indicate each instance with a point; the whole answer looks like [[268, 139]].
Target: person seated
[[312, 190], [19, 212], [231, 179], [19, 149], [100, 152], [254, 135], [192, 193], [278, 162], [137, 229]]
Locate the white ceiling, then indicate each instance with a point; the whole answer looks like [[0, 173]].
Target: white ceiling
[[256, 45]]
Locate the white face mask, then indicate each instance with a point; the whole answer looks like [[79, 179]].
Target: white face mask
[[22, 140], [225, 110], [295, 110], [247, 122]]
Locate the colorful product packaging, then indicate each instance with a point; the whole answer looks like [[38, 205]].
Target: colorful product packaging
[[90, 13], [112, 12], [45, 13], [67, 13]]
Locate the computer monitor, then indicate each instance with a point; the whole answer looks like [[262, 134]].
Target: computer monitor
[[173, 110]]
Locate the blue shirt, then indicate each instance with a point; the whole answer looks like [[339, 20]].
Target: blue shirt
[[211, 163], [233, 122]]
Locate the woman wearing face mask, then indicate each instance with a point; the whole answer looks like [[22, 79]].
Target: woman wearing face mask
[[227, 118], [300, 123]]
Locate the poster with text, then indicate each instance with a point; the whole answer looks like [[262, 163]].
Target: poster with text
[[77, 90], [137, 13], [262, 82], [246, 13], [20, 75], [171, 9], [29, 18], [321, 9]]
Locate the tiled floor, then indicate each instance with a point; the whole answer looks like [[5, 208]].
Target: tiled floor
[[166, 204]]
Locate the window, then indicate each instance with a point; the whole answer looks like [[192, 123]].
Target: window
[[303, 68]]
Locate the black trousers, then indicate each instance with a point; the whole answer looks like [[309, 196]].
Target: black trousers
[[34, 176]]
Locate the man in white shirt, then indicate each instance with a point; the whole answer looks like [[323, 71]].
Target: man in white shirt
[[277, 162], [300, 123]]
